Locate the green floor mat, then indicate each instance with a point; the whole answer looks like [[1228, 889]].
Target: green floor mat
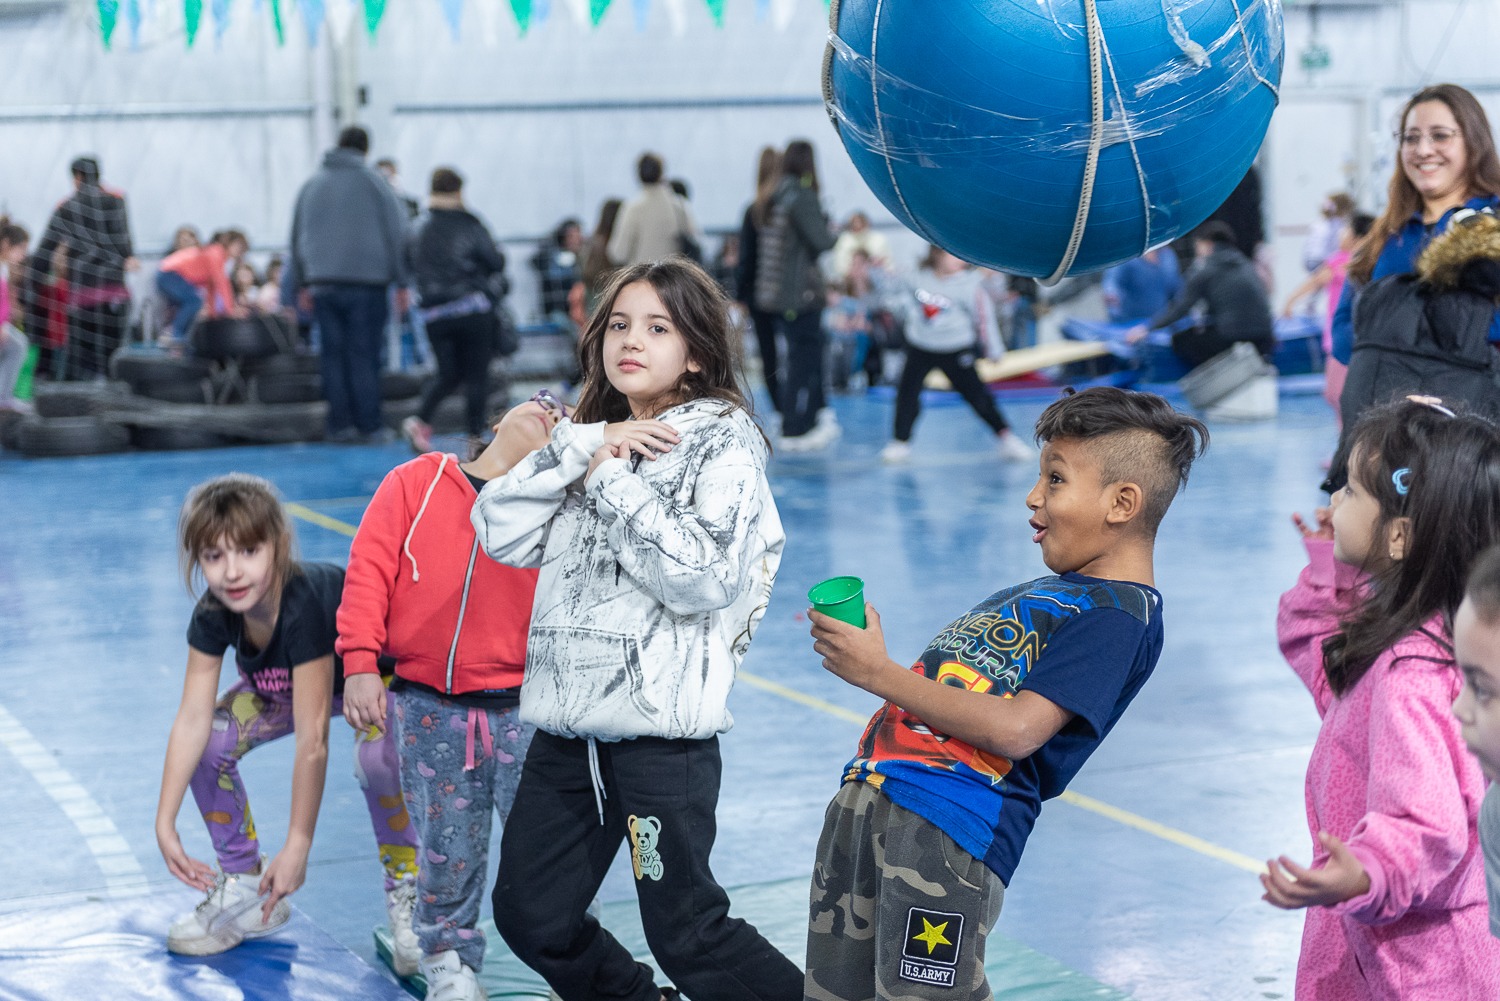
[[779, 911]]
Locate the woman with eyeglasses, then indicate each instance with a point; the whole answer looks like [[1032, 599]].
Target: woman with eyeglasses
[[1395, 327]]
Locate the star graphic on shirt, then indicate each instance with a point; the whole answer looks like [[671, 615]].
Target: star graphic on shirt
[[932, 935]]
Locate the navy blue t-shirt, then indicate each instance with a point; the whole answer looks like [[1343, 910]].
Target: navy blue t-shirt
[[306, 628], [1084, 644]]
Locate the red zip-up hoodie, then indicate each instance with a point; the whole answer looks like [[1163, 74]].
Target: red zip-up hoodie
[[419, 589]]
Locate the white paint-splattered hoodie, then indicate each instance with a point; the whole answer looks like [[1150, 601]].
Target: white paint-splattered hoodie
[[653, 575]]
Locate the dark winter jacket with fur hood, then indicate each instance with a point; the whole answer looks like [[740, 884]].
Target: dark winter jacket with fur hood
[[1428, 332]]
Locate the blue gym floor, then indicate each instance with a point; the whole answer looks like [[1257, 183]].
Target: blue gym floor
[[1142, 879]]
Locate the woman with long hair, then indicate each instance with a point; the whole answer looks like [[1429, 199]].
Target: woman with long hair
[[767, 174]]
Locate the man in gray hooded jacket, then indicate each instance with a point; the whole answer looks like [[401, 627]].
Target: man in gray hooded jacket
[[348, 233]]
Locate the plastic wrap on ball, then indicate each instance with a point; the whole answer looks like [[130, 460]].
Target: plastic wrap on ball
[[972, 120]]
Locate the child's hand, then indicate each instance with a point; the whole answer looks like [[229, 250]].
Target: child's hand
[[1290, 887], [364, 701], [1323, 529], [854, 654], [647, 438], [605, 452], [283, 877], [186, 868]]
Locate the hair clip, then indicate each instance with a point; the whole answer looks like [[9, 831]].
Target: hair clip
[[1432, 403], [1466, 216], [1401, 480]]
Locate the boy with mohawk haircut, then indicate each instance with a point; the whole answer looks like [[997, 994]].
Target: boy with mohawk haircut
[[935, 808]]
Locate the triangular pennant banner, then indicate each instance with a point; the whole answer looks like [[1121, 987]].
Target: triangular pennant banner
[[312, 18], [133, 20], [453, 13], [192, 16], [522, 10], [596, 11], [109, 13], [374, 11], [762, 8], [220, 10], [716, 8], [540, 11], [277, 23], [642, 14], [676, 17]]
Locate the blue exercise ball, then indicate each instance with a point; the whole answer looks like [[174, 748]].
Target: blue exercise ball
[[975, 121]]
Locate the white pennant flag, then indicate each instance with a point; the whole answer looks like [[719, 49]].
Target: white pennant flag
[[782, 12], [487, 15], [676, 16], [340, 17], [580, 9]]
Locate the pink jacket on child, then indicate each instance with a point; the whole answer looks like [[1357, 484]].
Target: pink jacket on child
[[1390, 776]]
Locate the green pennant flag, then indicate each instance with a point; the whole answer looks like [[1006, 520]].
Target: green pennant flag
[[716, 8], [192, 16], [597, 9], [109, 13], [522, 10], [276, 23], [374, 11]]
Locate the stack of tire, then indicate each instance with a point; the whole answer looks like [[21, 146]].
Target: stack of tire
[[244, 383]]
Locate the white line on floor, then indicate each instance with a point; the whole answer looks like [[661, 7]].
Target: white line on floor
[[122, 871]]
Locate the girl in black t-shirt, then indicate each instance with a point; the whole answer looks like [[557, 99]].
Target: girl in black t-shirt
[[279, 616]]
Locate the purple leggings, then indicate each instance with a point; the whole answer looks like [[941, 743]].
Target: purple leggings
[[246, 718]]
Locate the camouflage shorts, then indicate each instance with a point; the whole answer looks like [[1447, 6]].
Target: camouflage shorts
[[898, 911]]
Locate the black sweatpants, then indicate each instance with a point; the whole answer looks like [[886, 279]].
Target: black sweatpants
[[802, 393], [770, 353], [462, 346], [661, 795], [958, 366]]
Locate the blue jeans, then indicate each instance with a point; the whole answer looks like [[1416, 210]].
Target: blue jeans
[[185, 296], [351, 323]]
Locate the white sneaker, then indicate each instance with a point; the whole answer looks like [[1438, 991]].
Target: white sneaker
[[400, 902], [226, 917], [815, 440], [895, 452], [448, 979], [1013, 449], [828, 418]]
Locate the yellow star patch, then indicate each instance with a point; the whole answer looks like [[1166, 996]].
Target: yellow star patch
[[932, 935]]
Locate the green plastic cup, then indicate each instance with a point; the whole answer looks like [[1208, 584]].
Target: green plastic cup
[[841, 598]]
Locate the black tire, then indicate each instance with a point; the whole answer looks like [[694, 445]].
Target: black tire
[[255, 336], [164, 439], [401, 385], [75, 399], [10, 428], [59, 436], [199, 391], [283, 364], [136, 367], [286, 388]]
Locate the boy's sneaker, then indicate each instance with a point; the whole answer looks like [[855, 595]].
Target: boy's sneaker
[[1013, 449], [417, 431], [400, 902], [448, 979], [895, 452], [226, 917]]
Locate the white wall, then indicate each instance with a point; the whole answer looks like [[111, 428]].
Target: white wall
[[550, 124]]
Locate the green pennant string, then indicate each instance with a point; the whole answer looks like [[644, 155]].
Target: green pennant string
[[522, 10], [109, 13], [276, 23], [192, 15], [596, 10], [716, 8], [374, 11]]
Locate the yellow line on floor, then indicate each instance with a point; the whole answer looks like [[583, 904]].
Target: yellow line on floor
[[321, 520], [1180, 838]]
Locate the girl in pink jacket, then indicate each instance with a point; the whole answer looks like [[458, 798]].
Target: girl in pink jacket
[[1395, 897]]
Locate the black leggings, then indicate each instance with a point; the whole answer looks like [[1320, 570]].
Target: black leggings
[[770, 354], [660, 795], [958, 366], [462, 346]]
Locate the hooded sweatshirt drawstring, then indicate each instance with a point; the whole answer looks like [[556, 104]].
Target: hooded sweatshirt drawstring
[[406, 546], [597, 779], [479, 721]]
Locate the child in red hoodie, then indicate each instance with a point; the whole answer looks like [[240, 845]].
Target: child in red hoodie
[[418, 589]]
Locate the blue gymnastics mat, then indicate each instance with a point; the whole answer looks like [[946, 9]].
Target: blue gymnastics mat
[[779, 911], [117, 950]]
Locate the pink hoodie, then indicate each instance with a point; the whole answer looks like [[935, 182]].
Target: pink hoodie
[[1390, 776]]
